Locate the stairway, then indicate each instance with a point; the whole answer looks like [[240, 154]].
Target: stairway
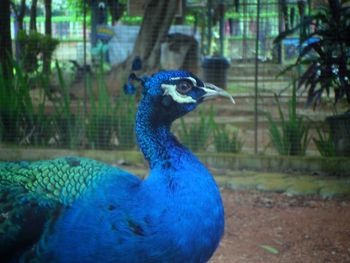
[[243, 76]]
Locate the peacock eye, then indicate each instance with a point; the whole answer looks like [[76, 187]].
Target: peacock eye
[[183, 87]]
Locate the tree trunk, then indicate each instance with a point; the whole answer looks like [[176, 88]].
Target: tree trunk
[[156, 22], [21, 14], [154, 28], [48, 17], [94, 17], [5, 39], [32, 23], [48, 32], [19, 11], [116, 10]]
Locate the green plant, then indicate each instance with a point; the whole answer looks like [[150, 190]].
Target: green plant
[[196, 135], [29, 50], [226, 140], [48, 46], [16, 108], [324, 143], [292, 137], [9, 108], [40, 130], [324, 51], [124, 121], [22, 120], [35, 47], [68, 125], [99, 123]]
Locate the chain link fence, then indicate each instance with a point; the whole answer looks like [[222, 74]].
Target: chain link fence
[[71, 103]]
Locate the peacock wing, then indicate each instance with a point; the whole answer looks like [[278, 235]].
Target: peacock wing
[[22, 219], [32, 193]]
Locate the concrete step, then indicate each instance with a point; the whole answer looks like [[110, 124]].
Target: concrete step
[[274, 86], [251, 78], [264, 69]]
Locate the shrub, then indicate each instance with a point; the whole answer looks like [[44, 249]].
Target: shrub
[[35, 47], [226, 140], [124, 121], [196, 135], [324, 51], [324, 143], [293, 136]]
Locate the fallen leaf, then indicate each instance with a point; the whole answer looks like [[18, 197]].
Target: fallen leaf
[[270, 249]]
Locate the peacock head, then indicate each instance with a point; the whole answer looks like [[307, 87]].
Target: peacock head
[[175, 93]]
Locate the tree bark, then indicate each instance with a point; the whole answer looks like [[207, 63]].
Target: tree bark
[[21, 14], [48, 17], [5, 39], [32, 23], [156, 22], [116, 10], [155, 26], [48, 32]]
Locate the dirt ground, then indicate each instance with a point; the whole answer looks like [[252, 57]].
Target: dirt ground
[[270, 227]]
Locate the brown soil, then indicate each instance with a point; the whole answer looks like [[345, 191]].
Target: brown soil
[[300, 229]]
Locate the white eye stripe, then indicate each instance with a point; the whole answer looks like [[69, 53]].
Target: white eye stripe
[[194, 82], [172, 92]]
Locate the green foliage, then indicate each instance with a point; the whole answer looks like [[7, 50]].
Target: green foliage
[[99, 124], [325, 47], [196, 135], [124, 121], [293, 136], [107, 119], [324, 143], [35, 45], [226, 140], [270, 249], [131, 20], [67, 127], [42, 122], [16, 108], [21, 120]]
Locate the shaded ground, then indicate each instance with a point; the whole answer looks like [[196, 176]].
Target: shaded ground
[[294, 229], [288, 183]]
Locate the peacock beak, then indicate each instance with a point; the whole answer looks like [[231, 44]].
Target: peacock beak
[[212, 91]]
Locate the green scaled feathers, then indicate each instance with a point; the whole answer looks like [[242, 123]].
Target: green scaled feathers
[[60, 180], [32, 194]]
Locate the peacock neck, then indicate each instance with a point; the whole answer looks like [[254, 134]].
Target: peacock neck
[[153, 134]]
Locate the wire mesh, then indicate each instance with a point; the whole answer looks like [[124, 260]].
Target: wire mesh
[[214, 39]]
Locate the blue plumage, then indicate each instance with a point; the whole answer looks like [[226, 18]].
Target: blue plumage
[[136, 64], [174, 215]]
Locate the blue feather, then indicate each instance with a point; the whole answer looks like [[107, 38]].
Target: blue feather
[[129, 89], [136, 64]]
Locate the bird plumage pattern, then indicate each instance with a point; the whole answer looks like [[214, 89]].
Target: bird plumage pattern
[[74, 209]]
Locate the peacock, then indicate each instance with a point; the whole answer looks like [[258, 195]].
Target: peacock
[[74, 209]]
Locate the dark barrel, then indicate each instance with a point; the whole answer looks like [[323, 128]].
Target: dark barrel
[[214, 70], [340, 131]]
